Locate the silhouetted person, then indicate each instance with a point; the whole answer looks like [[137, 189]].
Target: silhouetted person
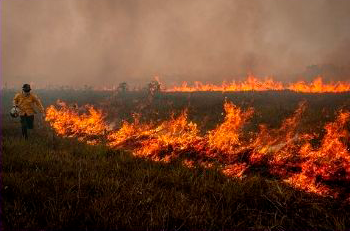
[[25, 102]]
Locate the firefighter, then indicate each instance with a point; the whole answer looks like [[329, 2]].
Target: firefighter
[[25, 102]]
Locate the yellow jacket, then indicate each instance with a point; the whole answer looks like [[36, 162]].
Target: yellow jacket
[[25, 103]]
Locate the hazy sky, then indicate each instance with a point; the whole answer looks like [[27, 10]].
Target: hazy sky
[[103, 42]]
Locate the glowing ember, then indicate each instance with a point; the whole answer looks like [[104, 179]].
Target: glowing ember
[[235, 170]]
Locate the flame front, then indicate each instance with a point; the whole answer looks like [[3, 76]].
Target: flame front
[[254, 84], [66, 121], [317, 86], [283, 152]]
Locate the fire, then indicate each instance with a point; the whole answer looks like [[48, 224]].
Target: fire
[[284, 152], [226, 137], [317, 86], [174, 135], [128, 131], [253, 84], [278, 145], [330, 163], [66, 121]]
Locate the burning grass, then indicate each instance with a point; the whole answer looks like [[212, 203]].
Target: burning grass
[[254, 84], [50, 183], [282, 153]]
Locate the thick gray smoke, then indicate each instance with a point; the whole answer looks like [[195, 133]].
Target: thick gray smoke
[[104, 42]]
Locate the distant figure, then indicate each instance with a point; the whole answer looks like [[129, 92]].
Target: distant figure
[[25, 101]]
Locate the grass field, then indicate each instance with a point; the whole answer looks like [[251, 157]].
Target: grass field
[[59, 183]]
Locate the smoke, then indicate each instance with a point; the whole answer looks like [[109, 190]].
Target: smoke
[[104, 42]]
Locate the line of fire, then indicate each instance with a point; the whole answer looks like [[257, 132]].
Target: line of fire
[[284, 152]]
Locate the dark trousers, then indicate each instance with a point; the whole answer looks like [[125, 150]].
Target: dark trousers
[[27, 122]]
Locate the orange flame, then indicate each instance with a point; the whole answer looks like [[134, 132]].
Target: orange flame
[[282, 152], [128, 131], [253, 84], [317, 86], [68, 122], [174, 135], [226, 137], [330, 163]]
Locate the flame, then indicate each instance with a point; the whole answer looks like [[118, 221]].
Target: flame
[[226, 137], [253, 84], [280, 144], [128, 131], [174, 135], [330, 163], [283, 152], [68, 122], [317, 86]]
